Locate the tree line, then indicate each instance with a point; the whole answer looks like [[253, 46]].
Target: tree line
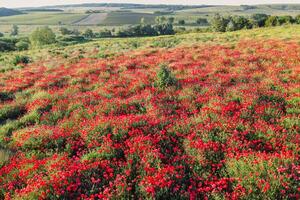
[[233, 23]]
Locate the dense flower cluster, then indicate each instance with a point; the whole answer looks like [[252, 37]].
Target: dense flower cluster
[[103, 129]]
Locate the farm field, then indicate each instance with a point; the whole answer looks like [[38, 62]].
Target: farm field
[[42, 18], [191, 116]]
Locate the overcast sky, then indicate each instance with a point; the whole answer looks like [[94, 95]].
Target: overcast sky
[[29, 3]]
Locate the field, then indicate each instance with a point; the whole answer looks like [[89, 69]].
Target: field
[[124, 15], [192, 116], [42, 18]]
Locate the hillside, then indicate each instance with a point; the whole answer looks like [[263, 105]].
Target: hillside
[[192, 116], [9, 12]]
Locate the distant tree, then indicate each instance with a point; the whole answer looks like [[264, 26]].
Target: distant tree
[[163, 19], [297, 19], [202, 21], [285, 20], [271, 21], [241, 22], [258, 20], [171, 20], [231, 26], [14, 30], [164, 29], [160, 20], [105, 33], [88, 33], [1, 34], [65, 31], [75, 32], [42, 36], [181, 22], [219, 23]]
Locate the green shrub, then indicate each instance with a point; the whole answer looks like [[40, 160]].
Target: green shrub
[[21, 60], [42, 36], [165, 78], [22, 45], [11, 112]]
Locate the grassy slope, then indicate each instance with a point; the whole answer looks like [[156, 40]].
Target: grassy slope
[[118, 45]]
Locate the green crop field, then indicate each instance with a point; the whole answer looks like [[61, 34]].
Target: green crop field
[[43, 18]]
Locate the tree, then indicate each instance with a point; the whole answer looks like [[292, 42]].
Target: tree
[[259, 20], [105, 33], [14, 30], [65, 31], [285, 20], [241, 22], [272, 21], [171, 20], [42, 36], [181, 22], [219, 23], [231, 26], [88, 33], [160, 20], [1, 34], [297, 19], [202, 21], [75, 32]]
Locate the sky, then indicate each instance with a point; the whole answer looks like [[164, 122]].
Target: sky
[[35, 3]]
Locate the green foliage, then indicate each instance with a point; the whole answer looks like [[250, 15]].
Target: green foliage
[[219, 23], [11, 112], [14, 30], [146, 30], [272, 21], [22, 45], [297, 19], [64, 31], [255, 177], [181, 22], [202, 21], [88, 33], [42, 36], [165, 78], [259, 20], [1, 34], [20, 60]]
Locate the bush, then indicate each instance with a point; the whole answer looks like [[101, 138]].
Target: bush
[[42, 36], [14, 30], [202, 21], [272, 21], [6, 46], [259, 20], [88, 33], [181, 22], [165, 78], [21, 60], [22, 46], [219, 23]]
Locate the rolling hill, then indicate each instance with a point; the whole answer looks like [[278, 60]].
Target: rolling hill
[[9, 12]]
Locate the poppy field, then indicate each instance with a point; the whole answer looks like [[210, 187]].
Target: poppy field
[[202, 121]]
